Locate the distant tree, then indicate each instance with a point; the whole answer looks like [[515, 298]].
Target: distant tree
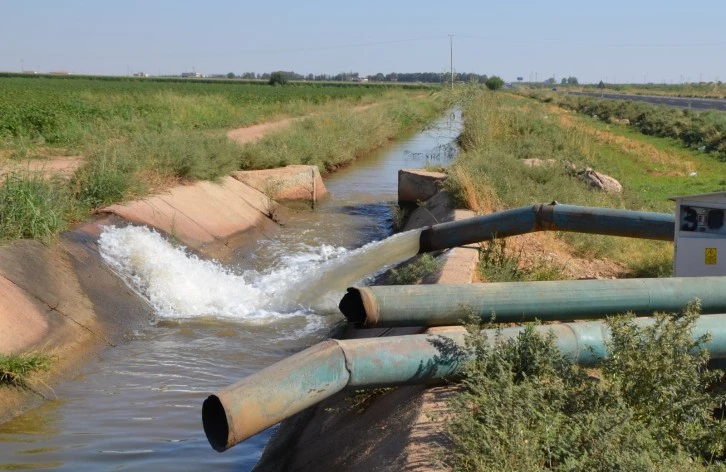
[[494, 83], [230, 75], [563, 81], [310, 77], [550, 81], [601, 85], [572, 81], [277, 78]]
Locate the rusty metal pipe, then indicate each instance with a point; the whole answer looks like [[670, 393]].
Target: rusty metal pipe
[[441, 305], [267, 397], [293, 384], [548, 217]]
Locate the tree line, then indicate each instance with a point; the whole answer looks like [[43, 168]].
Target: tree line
[[408, 77]]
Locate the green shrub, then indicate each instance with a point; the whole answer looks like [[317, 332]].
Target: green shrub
[[526, 407], [494, 83], [32, 206], [108, 176]]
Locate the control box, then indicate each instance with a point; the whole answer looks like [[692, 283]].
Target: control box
[[700, 238]]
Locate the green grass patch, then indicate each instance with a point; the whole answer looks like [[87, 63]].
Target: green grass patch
[[414, 271], [502, 130], [32, 206], [15, 370], [527, 407]]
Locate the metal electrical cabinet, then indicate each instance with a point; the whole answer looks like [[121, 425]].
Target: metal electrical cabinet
[[700, 239]]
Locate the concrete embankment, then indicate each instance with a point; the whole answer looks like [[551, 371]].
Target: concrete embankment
[[381, 429], [63, 300]]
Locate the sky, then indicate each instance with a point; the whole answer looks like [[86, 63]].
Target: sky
[[615, 40]]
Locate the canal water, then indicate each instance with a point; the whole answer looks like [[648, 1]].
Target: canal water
[[139, 406]]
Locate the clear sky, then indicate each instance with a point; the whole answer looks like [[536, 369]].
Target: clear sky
[[621, 41]]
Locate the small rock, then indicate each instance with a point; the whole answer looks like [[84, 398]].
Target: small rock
[[600, 181]]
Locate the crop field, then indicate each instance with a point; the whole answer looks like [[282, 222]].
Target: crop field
[[63, 112], [134, 137]]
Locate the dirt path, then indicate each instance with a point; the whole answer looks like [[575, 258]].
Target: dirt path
[[61, 166]]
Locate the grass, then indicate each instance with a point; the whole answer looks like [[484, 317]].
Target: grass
[[501, 130], [527, 407], [33, 207], [138, 137], [497, 264], [339, 137], [16, 370], [414, 271], [705, 131]]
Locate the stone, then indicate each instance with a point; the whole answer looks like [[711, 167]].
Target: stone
[[600, 181], [418, 185]]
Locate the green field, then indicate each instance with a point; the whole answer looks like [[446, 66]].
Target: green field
[[63, 112], [141, 136]]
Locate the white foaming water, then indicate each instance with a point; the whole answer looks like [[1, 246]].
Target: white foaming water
[[179, 285]]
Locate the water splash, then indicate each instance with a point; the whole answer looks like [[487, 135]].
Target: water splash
[[180, 285]]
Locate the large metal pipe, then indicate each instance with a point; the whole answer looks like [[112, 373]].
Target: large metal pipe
[[548, 217], [441, 305], [288, 387]]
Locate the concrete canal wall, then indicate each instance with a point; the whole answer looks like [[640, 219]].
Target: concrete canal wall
[[63, 300]]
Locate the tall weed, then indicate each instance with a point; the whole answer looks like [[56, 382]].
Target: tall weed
[[526, 407]]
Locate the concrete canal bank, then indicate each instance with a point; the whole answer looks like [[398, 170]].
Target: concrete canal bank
[[186, 325]]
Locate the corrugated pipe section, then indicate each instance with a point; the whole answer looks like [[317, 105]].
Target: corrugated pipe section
[[548, 217], [267, 397], [441, 305]]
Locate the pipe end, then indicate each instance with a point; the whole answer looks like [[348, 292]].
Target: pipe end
[[351, 305], [214, 419]]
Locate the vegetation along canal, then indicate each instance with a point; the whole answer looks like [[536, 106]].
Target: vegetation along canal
[[138, 407]]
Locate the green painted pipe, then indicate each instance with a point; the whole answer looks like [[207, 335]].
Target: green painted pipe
[[277, 392], [442, 305], [548, 217]]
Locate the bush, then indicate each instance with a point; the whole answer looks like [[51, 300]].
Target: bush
[[494, 83], [32, 206], [527, 407], [277, 78]]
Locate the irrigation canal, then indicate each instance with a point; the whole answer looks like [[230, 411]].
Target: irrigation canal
[[139, 406]]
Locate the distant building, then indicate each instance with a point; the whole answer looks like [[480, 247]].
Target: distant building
[[60, 72], [192, 74], [141, 74]]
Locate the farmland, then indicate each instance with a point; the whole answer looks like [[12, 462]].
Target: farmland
[[140, 136], [63, 112]]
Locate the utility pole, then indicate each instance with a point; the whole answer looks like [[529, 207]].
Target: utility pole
[[451, 58]]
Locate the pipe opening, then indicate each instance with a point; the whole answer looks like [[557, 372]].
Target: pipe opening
[[351, 305], [215, 424]]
